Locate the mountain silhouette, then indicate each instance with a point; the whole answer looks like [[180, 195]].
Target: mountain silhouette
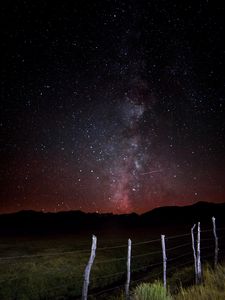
[[77, 221]]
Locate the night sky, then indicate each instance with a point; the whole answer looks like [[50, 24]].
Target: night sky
[[111, 106]]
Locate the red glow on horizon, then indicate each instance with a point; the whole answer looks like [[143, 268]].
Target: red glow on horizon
[[125, 209]]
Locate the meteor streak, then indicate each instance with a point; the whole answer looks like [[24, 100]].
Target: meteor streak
[[150, 172]]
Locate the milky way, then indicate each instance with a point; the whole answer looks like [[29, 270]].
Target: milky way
[[113, 107]]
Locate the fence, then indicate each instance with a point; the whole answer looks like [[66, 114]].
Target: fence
[[196, 252], [159, 258]]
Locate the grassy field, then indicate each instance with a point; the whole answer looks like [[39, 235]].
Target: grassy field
[[52, 267], [211, 288]]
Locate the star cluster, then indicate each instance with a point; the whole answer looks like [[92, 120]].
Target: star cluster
[[112, 107]]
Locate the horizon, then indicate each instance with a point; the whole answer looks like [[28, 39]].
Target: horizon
[[108, 212]]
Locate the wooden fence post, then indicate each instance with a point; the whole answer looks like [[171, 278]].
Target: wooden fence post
[[164, 259], [88, 268], [199, 268], [194, 253], [128, 269], [216, 242]]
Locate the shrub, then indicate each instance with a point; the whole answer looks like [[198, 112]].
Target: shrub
[[154, 291]]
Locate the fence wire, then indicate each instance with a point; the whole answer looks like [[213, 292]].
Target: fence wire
[[179, 246], [180, 256], [124, 258], [107, 290]]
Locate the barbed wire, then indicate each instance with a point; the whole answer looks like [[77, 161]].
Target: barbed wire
[[177, 257], [207, 239], [207, 230], [179, 265], [177, 236], [220, 229], [40, 255], [103, 248], [62, 286], [146, 266], [151, 277], [207, 247], [110, 260], [211, 230], [107, 290], [146, 242], [178, 246], [207, 256], [112, 247], [111, 275], [146, 254], [134, 270], [169, 268]]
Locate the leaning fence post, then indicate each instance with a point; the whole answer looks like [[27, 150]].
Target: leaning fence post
[[199, 255], [216, 242], [88, 268], [128, 269], [164, 259], [194, 253]]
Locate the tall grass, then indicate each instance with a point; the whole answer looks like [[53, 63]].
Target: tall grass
[[154, 291], [212, 288]]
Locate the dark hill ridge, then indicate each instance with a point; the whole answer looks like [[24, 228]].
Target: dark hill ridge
[[75, 221]]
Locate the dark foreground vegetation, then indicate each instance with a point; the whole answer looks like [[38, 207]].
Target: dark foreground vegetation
[[50, 265], [211, 288]]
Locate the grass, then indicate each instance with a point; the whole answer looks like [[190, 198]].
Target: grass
[[212, 287], [154, 291], [49, 273], [38, 269], [181, 277]]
